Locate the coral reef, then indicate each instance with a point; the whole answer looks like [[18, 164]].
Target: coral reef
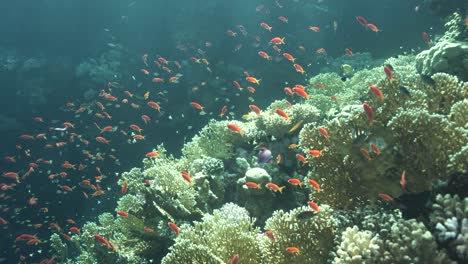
[[217, 238], [449, 219]]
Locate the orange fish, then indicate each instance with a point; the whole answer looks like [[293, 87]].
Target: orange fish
[[274, 187], [282, 113], [251, 89], [136, 128], [388, 72], [124, 187], [223, 111], [314, 206], [315, 185], [373, 27], [266, 26], [301, 158], [403, 180], [313, 28], [362, 21], [299, 68], [264, 55], [301, 92], [270, 235], [349, 52], [255, 108], [74, 230], [138, 137], [235, 128], [375, 90], [235, 259], [284, 19], [315, 152], [289, 57], [152, 154], [174, 227], [148, 230], [197, 106], [293, 250], [319, 85], [186, 176], [102, 140], [154, 105], [66, 188], [369, 112], [324, 132], [386, 197], [288, 91], [366, 153], [277, 40], [104, 241], [322, 51], [375, 148], [253, 185], [292, 146], [295, 182], [253, 80], [278, 159], [237, 85], [122, 213]]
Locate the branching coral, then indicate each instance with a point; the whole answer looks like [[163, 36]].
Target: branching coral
[[217, 238], [450, 221], [313, 237]]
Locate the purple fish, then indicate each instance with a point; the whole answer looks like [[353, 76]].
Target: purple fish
[[264, 156]]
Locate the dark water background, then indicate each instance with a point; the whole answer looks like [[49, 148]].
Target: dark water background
[[64, 33]]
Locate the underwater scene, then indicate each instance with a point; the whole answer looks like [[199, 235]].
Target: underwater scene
[[234, 131]]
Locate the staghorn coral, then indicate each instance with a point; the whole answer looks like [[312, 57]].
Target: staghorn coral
[[218, 237], [313, 237], [449, 219]]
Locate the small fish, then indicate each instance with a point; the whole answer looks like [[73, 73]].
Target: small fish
[[122, 213], [174, 227], [314, 28], [324, 132], [294, 250], [369, 112], [299, 68], [315, 153], [264, 55], [253, 185], [235, 259], [295, 182], [349, 52], [403, 90], [266, 26], [283, 19], [366, 153], [296, 126], [124, 188], [223, 111], [277, 40], [270, 235], [426, 38], [278, 159], [305, 215], [152, 154], [428, 80], [373, 27], [282, 113], [301, 158], [235, 128], [314, 185], [289, 57], [375, 149], [388, 72], [314, 206], [386, 197], [273, 187], [362, 21], [376, 90], [253, 80], [301, 92], [403, 180], [186, 176]]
